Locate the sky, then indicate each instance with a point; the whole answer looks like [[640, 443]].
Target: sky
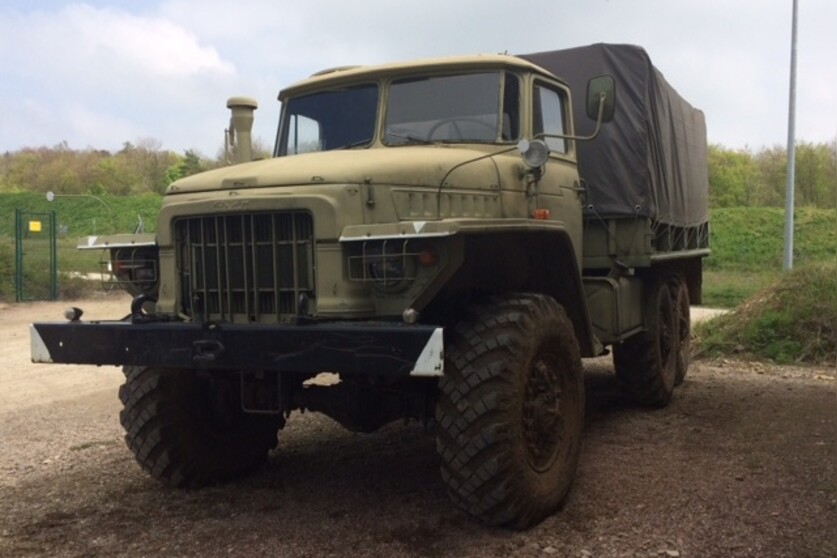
[[98, 74]]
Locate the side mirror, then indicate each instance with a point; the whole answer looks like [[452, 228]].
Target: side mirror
[[601, 90]]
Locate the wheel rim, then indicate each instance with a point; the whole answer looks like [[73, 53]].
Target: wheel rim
[[543, 420]]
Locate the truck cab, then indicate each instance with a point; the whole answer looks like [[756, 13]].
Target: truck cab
[[388, 164]]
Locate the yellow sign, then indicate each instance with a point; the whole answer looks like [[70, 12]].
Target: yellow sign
[[34, 226]]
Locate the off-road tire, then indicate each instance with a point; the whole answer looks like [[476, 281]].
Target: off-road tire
[[646, 364], [188, 431], [511, 410], [683, 325]]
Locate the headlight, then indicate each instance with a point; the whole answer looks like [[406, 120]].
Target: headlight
[[134, 269], [387, 269], [387, 264]]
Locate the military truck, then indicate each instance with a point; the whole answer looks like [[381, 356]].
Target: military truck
[[449, 237]]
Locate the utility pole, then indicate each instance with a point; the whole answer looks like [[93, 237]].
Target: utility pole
[[791, 178]]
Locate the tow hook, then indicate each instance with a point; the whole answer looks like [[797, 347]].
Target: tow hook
[[206, 350], [137, 314]]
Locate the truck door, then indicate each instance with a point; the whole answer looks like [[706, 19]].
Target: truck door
[[558, 189]]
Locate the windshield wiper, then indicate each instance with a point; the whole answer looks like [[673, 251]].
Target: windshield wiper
[[411, 140], [357, 143]]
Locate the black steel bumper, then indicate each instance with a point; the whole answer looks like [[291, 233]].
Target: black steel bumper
[[365, 349]]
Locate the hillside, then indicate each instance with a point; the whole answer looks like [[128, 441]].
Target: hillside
[[751, 238]]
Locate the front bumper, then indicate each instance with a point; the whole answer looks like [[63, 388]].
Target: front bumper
[[345, 348]]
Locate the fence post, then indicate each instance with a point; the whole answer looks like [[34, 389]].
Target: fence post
[[18, 256]]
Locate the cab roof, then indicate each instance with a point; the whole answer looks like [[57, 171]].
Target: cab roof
[[354, 74]]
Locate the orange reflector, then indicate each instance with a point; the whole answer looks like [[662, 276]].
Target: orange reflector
[[428, 257], [542, 214]]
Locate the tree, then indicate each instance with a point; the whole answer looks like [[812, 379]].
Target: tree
[[191, 163], [816, 174], [732, 177], [187, 165]]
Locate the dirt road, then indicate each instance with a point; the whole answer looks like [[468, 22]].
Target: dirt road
[[743, 463]]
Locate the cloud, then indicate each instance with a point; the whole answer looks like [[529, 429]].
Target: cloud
[[101, 75], [83, 39], [93, 124], [164, 68]]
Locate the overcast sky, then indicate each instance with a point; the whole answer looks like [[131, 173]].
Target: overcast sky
[[97, 74]]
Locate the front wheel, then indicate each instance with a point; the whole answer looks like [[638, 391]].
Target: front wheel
[[189, 431], [511, 410]]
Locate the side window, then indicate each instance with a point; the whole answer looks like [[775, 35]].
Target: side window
[[548, 115], [511, 108], [303, 135]]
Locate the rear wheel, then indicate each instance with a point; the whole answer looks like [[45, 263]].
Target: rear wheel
[[189, 431], [511, 410], [646, 364], [683, 326]]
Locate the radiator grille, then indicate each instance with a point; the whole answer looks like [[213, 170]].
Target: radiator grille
[[245, 268]]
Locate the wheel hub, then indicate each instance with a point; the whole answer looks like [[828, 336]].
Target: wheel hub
[[542, 414]]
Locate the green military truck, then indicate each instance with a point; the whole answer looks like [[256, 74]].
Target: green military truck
[[450, 237]]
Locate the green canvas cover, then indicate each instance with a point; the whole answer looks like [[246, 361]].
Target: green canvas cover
[[650, 161]]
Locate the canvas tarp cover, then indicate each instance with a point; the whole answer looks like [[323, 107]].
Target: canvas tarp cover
[[650, 161]]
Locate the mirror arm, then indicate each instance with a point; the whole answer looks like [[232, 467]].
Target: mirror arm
[[595, 133]]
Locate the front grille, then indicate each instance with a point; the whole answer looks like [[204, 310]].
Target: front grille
[[245, 268]]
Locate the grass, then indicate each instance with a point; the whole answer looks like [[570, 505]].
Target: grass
[[36, 269], [751, 238], [791, 321], [727, 289], [82, 216], [747, 245]]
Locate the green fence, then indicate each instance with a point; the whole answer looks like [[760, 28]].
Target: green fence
[[36, 265]]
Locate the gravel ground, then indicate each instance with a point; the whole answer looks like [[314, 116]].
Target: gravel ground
[[742, 463]]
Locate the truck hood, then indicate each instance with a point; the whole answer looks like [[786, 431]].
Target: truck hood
[[424, 166]]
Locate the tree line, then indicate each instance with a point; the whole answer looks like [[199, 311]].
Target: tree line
[[747, 178], [737, 177], [140, 168]]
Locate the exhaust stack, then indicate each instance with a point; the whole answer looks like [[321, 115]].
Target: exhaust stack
[[241, 123]]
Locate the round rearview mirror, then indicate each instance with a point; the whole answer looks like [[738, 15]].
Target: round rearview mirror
[[535, 153], [50, 196]]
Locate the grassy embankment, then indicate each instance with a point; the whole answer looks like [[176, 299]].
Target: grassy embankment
[[793, 320], [747, 245], [783, 317]]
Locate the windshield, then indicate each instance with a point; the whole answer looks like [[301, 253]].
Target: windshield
[[458, 108], [329, 120], [475, 107]]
